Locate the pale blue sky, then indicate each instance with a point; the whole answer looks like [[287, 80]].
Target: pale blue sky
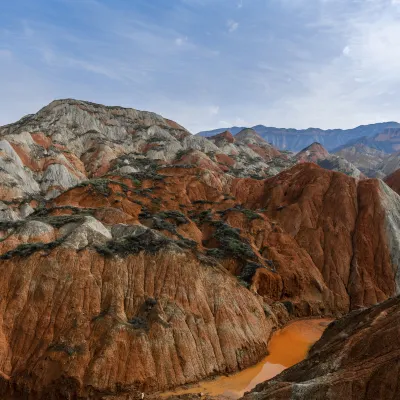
[[206, 63]]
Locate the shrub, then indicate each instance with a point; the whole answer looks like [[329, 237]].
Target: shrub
[[181, 153], [136, 182], [248, 271], [139, 323]]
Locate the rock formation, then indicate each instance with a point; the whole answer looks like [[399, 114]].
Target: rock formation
[[358, 357]]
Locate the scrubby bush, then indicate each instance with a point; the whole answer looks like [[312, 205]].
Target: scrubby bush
[[249, 270], [231, 242]]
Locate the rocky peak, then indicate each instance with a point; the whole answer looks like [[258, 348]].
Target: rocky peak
[[250, 136], [223, 136], [312, 153]]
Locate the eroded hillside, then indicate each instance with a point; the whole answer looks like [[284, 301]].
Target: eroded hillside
[[129, 264]]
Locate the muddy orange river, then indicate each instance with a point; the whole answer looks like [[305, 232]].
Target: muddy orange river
[[287, 347]]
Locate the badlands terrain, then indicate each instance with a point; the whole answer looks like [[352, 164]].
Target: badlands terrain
[[136, 257]]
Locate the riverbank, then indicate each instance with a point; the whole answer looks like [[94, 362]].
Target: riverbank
[[287, 347]]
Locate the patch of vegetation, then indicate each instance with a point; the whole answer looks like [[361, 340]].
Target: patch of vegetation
[[6, 225], [154, 139], [162, 225], [63, 347], [27, 249], [148, 241], [215, 253], [100, 316], [289, 306], [248, 271], [57, 221], [244, 283], [185, 243], [183, 166], [203, 202], [250, 214], [231, 242], [101, 185], [175, 215], [257, 177], [136, 182], [202, 217], [238, 172], [139, 323], [181, 153], [211, 154]]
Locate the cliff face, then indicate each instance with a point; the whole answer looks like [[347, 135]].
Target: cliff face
[[122, 270], [78, 323], [358, 357]]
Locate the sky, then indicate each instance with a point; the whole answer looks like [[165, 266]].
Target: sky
[[206, 63]]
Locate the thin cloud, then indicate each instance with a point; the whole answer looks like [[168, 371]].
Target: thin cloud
[[232, 25]]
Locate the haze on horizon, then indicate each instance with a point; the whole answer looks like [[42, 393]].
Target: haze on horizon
[[207, 63]]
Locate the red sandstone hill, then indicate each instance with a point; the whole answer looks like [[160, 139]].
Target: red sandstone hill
[[313, 153], [124, 269], [317, 154], [358, 357]]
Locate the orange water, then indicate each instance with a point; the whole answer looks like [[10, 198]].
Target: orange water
[[287, 347]]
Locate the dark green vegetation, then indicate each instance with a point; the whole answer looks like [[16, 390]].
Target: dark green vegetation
[[231, 243], [149, 241], [26, 249]]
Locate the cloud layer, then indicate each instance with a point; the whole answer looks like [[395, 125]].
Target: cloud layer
[[206, 63]]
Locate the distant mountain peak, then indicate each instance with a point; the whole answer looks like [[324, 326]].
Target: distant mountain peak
[[226, 135], [250, 135], [312, 153]]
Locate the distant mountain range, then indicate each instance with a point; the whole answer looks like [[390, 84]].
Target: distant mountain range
[[298, 139], [387, 141]]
